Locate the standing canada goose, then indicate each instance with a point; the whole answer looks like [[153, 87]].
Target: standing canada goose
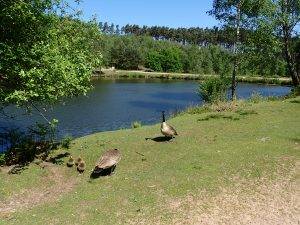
[[70, 162], [108, 160], [78, 160], [167, 130], [81, 167]]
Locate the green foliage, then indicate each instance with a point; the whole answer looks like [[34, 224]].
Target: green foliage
[[206, 152], [171, 59], [295, 91], [2, 159], [136, 124], [214, 89], [125, 54], [256, 97], [167, 59], [25, 146], [296, 49], [66, 142], [154, 61], [44, 57], [192, 60], [267, 45]]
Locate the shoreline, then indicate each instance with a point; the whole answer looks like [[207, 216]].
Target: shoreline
[[113, 74]]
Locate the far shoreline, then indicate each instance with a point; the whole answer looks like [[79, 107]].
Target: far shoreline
[[137, 74]]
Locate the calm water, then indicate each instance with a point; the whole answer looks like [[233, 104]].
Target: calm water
[[116, 104]]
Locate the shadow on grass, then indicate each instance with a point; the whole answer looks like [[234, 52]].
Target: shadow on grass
[[295, 101], [160, 139], [102, 173], [58, 159], [18, 169], [246, 112], [218, 116], [297, 140]]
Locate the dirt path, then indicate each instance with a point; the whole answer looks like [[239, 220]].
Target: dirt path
[[266, 203], [261, 202], [30, 198]]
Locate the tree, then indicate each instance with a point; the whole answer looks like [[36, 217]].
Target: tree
[[44, 57], [118, 31], [230, 12], [287, 17], [270, 24], [125, 54]]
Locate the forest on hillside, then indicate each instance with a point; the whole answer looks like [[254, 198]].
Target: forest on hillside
[[189, 50]]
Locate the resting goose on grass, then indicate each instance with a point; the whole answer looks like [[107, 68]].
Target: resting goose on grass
[[108, 161]]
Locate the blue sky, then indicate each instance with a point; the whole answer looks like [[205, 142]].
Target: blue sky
[[172, 13]]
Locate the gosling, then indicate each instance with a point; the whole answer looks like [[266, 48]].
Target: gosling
[[78, 161], [81, 167], [70, 162]]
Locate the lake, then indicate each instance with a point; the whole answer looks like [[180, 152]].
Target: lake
[[115, 104]]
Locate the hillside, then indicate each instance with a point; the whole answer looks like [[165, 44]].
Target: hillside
[[229, 165]]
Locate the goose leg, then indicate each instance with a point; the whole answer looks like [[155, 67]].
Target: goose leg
[[171, 139], [112, 170]]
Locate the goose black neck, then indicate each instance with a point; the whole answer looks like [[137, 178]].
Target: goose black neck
[[163, 116]]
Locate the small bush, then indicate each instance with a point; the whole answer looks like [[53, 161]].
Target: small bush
[[295, 91], [25, 146], [136, 124], [153, 61], [2, 159], [256, 97], [66, 141], [214, 89]]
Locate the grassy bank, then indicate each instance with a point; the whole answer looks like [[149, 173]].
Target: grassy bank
[[185, 76], [158, 182]]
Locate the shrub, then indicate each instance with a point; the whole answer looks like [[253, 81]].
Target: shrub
[[295, 91], [125, 54], [153, 61], [25, 146], [136, 124], [66, 141], [214, 89], [2, 159], [171, 60], [256, 97]]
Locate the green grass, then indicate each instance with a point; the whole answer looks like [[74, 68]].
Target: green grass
[[207, 155]]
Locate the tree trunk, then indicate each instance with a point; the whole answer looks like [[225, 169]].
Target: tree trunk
[[289, 59], [235, 51], [286, 28]]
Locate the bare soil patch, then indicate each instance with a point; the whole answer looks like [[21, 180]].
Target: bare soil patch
[[262, 202], [32, 197], [259, 202]]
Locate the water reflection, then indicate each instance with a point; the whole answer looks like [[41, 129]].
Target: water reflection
[[114, 104]]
